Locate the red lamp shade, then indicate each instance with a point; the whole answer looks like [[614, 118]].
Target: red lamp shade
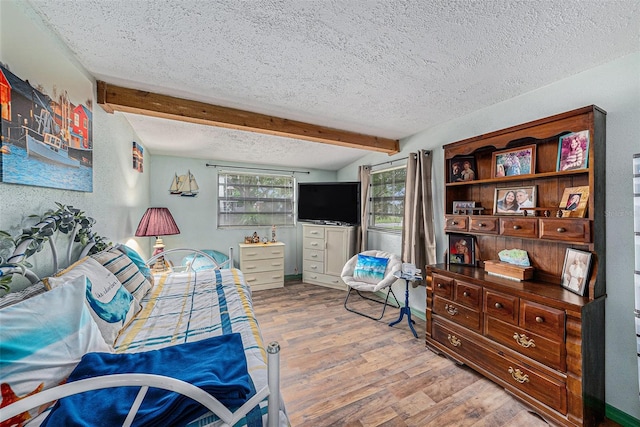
[[157, 222]]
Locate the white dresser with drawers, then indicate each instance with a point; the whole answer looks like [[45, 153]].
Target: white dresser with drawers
[[262, 265], [325, 250]]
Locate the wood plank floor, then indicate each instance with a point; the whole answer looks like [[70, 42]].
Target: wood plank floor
[[342, 369]]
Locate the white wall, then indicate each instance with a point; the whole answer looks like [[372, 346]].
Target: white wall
[[120, 194], [615, 87], [197, 216]]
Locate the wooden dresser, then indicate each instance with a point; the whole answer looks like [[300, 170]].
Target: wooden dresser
[[263, 264], [540, 341]]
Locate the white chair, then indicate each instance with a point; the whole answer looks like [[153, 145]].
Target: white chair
[[394, 264]]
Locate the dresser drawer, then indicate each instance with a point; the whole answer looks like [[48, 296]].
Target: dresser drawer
[[457, 313], [468, 295], [265, 280], [544, 350], [323, 279], [314, 232], [311, 243], [573, 230], [546, 321], [519, 227], [456, 223], [259, 265], [443, 286], [544, 387], [261, 252], [484, 224], [312, 266], [501, 306], [314, 255]]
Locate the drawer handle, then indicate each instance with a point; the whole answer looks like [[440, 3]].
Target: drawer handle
[[250, 267], [440, 286], [454, 340], [497, 305], [314, 244], [314, 267], [561, 229], [481, 224], [314, 256], [539, 319], [314, 232], [523, 340], [251, 280], [518, 375], [465, 294], [451, 309], [516, 227], [252, 254]]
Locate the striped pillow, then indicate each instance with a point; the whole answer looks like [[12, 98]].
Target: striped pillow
[[28, 292], [125, 270]]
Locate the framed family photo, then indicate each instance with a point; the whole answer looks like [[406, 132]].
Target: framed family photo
[[461, 249], [519, 161], [576, 270], [573, 151], [462, 168], [511, 200], [574, 202]]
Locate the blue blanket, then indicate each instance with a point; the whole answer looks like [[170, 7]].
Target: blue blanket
[[217, 365]]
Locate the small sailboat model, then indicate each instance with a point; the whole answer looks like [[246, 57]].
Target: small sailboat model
[[189, 186], [176, 184]]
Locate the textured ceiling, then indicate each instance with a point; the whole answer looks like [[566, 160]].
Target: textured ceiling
[[384, 68]]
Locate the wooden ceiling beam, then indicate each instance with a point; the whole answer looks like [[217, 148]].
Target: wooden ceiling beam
[[115, 98]]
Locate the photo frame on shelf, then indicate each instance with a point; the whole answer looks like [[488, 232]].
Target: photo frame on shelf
[[576, 270], [574, 202], [514, 162], [462, 249], [462, 168], [511, 200], [463, 206], [573, 151]]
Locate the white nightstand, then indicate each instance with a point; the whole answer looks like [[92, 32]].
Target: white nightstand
[[262, 264]]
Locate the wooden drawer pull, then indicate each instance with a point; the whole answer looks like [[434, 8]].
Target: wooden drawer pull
[[516, 227], [497, 305], [539, 319], [518, 375], [451, 309], [561, 229], [454, 340], [454, 222], [440, 286], [465, 294], [481, 224], [523, 340]]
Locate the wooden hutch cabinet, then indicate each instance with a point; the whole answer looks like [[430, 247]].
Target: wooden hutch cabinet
[[540, 341]]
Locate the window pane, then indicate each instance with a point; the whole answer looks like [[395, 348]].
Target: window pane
[[387, 198], [255, 200]]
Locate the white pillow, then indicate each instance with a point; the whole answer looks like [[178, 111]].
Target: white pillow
[[43, 338], [110, 304]]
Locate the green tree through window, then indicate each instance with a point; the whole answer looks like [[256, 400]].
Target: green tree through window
[[387, 198], [255, 200]]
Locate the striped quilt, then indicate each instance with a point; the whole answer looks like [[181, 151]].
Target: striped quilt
[[191, 306]]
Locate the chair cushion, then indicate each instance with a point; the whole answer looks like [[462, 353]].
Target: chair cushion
[[370, 269]]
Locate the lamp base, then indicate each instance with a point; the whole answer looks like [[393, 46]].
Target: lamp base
[[160, 265]]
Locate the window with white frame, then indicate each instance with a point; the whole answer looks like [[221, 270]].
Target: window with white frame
[[246, 199], [387, 198]]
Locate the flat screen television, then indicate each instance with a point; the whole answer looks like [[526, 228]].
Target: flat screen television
[[329, 202]]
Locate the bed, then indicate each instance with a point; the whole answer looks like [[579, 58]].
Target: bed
[[189, 352]]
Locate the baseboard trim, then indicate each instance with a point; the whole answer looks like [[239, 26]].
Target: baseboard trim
[[622, 418]]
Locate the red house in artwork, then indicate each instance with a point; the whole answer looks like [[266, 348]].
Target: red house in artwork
[[80, 127]]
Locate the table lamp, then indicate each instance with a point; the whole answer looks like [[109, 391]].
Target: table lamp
[[157, 222]]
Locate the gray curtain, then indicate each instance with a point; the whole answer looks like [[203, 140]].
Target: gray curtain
[[418, 237], [364, 173]]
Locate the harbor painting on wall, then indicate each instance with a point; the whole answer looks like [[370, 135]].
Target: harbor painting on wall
[[47, 138]]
